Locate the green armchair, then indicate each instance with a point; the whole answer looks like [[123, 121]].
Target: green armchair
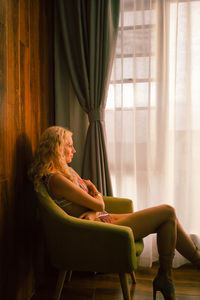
[[82, 245]]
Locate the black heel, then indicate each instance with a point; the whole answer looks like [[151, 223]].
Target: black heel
[[164, 285]]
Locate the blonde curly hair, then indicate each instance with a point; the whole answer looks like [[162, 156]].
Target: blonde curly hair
[[49, 155]]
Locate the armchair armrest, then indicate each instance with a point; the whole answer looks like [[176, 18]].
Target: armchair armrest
[[118, 205]]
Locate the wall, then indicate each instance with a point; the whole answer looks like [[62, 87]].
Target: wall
[[26, 109]]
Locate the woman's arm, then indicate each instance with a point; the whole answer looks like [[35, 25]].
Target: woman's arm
[[61, 187]]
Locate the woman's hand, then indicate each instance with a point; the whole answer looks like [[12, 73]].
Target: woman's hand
[[89, 215], [91, 187]]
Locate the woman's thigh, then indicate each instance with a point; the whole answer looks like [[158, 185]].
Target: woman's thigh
[[144, 222]]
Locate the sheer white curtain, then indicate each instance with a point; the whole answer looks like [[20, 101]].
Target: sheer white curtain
[[153, 111]]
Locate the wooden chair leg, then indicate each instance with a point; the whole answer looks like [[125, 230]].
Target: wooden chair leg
[[133, 277], [59, 286], [124, 284]]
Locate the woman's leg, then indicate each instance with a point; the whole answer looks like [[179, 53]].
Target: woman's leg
[[161, 220], [147, 221]]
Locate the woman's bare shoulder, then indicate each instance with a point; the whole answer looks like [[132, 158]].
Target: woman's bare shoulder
[[58, 176], [58, 179]]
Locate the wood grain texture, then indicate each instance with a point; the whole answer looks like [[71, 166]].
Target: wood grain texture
[[26, 109], [90, 286]]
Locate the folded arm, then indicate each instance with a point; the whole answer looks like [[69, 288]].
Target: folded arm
[[62, 187]]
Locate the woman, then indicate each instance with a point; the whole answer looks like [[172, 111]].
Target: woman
[[81, 199]]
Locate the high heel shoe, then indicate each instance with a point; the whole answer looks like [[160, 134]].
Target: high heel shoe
[[165, 285]]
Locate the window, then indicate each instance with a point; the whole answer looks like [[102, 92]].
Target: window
[[133, 76], [153, 107], [132, 91], [133, 101]]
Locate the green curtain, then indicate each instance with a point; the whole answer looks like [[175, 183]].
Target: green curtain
[[88, 30]]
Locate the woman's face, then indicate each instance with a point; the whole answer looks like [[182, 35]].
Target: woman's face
[[69, 151]]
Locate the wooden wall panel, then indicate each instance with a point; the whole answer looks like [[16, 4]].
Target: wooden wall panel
[[3, 74], [26, 109]]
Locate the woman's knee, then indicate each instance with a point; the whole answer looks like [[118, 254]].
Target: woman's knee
[[169, 211]]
